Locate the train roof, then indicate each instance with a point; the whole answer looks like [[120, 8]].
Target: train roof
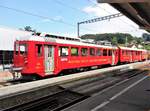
[[132, 49], [63, 41]]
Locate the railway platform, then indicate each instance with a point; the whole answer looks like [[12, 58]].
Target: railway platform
[[131, 95], [5, 75]]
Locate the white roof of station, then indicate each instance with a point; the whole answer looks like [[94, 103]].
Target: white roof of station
[[8, 36]]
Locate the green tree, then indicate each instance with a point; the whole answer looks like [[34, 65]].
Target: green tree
[[114, 40], [29, 29]]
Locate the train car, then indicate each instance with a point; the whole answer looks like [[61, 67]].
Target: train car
[[128, 55], [45, 56], [144, 55], [125, 55], [148, 55]]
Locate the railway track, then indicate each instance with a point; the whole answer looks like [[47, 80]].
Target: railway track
[[55, 102], [71, 93], [94, 85]]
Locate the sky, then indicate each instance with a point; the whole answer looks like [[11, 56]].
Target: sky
[[61, 16]]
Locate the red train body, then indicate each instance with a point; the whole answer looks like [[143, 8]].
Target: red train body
[[44, 56]]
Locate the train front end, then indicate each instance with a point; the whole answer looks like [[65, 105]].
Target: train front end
[[20, 56], [23, 60]]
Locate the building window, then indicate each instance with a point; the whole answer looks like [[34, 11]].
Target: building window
[[92, 51], [63, 51], [98, 52], [74, 51], [84, 51], [105, 52]]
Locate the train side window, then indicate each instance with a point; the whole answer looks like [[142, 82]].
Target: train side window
[[74, 51], [84, 51], [92, 51], [63, 51], [39, 50], [98, 52], [109, 52], [116, 52], [105, 52], [126, 52], [123, 52]]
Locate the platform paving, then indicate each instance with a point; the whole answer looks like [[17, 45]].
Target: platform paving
[[132, 95], [5, 75]]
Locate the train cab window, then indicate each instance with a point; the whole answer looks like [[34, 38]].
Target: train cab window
[[84, 51], [105, 52], [39, 50], [23, 49], [74, 51], [109, 52], [98, 52], [63, 51], [92, 51]]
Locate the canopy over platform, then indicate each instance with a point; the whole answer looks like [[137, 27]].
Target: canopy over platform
[[137, 10]]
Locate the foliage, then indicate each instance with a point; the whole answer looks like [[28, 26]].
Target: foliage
[[29, 29], [147, 47], [120, 38], [115, 38]]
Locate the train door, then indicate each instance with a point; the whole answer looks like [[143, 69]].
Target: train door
[[130, 52], [140, 54], [49, 58], [113, 57]]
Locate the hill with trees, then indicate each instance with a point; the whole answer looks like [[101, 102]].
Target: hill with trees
[[119, 38]]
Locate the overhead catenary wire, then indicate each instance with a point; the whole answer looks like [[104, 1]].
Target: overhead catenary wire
[[69, 6], [95, 3], [43, 17]]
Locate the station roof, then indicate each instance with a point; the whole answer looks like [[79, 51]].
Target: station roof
[[137, 10]]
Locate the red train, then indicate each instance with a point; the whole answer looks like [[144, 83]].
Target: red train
[[45, 56]]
